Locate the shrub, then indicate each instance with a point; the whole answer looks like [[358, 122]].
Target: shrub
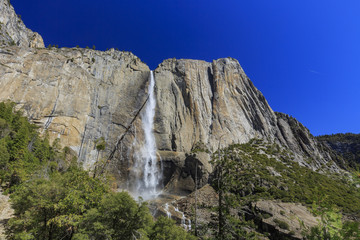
[[266, 215], [282, 224], [100, 144]]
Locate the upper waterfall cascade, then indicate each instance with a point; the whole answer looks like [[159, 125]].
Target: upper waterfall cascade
[[146, 160]]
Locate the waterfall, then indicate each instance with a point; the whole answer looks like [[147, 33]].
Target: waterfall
[[168, 214], [148, 176], [187, 227]]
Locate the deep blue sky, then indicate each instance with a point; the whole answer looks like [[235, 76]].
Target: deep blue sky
[[304, 55]]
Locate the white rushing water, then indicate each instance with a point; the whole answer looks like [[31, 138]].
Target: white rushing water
[[187, 227], [146, 159], [168, 214]]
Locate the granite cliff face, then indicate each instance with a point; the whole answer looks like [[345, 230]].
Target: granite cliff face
[[216, 104], [82, 95], [13, 31], [78, 96], [203, 102]]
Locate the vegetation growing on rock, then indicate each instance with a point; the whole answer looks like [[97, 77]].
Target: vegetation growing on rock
[[245, 173], [332, 226], [261, 170], [23, 152]]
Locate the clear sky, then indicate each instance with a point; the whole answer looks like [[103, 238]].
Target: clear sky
[[303, 55]]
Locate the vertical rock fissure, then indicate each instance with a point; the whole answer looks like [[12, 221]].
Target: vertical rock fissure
[[51, 116]]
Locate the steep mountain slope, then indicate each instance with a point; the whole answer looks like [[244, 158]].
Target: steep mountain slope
[[83, 95], [346, 145]]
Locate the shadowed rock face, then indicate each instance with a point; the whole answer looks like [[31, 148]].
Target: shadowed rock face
[[81, 95]]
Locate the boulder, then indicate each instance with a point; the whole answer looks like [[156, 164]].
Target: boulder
[[282, 220]]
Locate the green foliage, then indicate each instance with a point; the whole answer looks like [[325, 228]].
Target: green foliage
[[331, 226], [282, 224], [72, 205], [100, 144], [225, 181], [165, 229], [258, 170], [118, 216], [199, 147], [23, 152], [261, 170], [4, 154], [53, 208], [266, 215]]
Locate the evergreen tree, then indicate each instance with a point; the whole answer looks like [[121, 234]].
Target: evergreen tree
[[4, 154]]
